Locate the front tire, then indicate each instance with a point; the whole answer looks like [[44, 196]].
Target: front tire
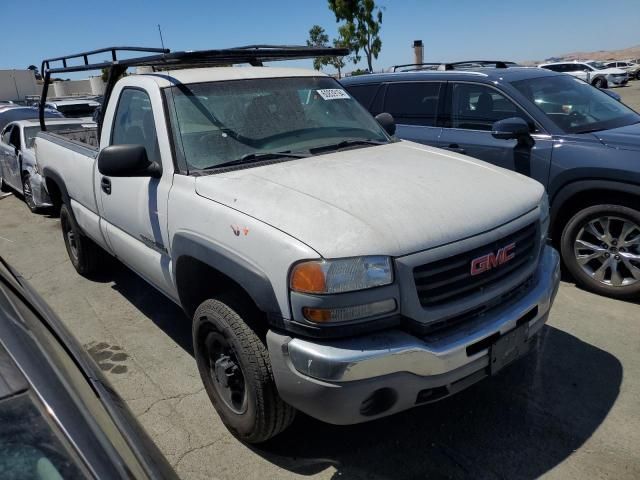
[[27, 193], [601, 248], [599, 83], [84, 254], [234, 365]]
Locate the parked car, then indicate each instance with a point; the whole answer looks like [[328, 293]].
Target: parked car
[[74, 107], [18, 166], [60, 417], [12, 113], [595, 73], [576, 140], [632, 69], [327, 267]]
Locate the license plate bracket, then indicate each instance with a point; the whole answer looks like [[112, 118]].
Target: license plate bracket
[[509, 347]]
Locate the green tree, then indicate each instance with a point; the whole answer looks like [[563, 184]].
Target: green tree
[[319, 38], [361, 30], [36, 72]]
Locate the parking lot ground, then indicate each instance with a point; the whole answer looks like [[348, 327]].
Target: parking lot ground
[[630, 94], [569, 410]]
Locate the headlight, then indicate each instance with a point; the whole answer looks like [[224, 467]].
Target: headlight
[[544, 217], [341, 275]]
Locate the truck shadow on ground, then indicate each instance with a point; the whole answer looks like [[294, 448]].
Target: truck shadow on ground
[[154, 305], [519, 424]]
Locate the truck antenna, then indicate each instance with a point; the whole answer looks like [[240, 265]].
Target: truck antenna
[[161, 40]]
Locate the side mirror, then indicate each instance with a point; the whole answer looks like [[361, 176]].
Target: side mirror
[[387, 122], [127, 161], [510, 128]]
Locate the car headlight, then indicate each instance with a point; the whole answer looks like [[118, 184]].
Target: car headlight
[[341, 275], [544, 218]]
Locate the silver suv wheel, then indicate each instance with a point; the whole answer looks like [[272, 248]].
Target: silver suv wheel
[[607, 249]]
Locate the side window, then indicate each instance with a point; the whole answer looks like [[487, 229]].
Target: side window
[[413, 103], [14, 139], [363, 93], [6, 135], [477, 107], [134, 124]]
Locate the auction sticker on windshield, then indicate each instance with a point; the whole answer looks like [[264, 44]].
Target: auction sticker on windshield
[[332, 93]]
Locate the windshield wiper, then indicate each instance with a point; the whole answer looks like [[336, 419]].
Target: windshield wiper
[[258, 157], [344, 144]]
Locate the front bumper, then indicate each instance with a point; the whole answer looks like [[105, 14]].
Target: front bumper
[[618, 80], [335, 381], [40, 195]]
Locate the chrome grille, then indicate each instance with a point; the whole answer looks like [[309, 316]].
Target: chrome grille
[[450, 278]]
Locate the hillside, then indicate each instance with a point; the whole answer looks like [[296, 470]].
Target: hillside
[[623, 54]]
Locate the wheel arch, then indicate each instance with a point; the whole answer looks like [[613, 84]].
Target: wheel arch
[[204, 269], [575, 196], [56, 189]]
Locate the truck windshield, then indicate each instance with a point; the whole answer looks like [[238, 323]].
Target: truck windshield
[[217, 123], [575, 106]]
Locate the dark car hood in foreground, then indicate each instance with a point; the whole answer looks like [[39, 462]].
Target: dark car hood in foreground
[[626, 138]]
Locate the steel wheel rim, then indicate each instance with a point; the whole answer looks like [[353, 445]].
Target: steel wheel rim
[[607, 249], [72, 242], [28, 194], [225, 372]]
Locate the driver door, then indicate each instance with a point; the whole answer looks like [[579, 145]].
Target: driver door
[[472, 110], [135, 208]]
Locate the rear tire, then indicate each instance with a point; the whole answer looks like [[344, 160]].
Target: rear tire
[[84, 254], [600, 247], [234, 365]]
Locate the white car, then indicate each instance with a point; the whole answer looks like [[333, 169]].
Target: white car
[[74, 107], [591, 71], [633, 69], [19, 170]]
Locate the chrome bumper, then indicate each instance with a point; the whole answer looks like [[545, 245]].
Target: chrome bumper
[[330, 380]]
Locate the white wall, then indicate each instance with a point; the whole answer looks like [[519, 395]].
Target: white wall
[[90, 86], [15, 84]]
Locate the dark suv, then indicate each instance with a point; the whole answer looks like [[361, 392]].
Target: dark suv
[[579, 142]]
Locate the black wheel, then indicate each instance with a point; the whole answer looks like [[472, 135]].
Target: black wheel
[[638, 75], [27, 193], [84, 254], [601, 248], [599, 83], [236, 371]]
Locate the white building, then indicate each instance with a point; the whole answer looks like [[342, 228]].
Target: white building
[[17, 84]]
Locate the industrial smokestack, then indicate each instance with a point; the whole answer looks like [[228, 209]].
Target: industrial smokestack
[[418, 51]]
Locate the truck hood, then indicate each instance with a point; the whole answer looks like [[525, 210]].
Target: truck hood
[[626, 138], [391, 199]]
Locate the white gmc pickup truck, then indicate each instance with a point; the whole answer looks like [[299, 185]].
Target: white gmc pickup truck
[[327, 266]]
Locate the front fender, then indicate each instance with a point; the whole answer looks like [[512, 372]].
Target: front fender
[[241, 270]]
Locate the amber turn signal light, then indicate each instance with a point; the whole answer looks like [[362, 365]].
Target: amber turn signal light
[[308, 277]]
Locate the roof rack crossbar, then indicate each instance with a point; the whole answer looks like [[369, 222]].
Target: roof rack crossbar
[[445, 66]]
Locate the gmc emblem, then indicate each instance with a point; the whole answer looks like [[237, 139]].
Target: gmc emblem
[[492, 260]]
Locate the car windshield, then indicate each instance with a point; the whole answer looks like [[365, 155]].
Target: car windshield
[[31, 132], [216, 123], [597, 65], [574, 105]]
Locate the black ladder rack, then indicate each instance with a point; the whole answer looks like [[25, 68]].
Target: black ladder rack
[[254, 55]]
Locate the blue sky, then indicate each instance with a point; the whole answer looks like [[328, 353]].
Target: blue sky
[[451, 30]]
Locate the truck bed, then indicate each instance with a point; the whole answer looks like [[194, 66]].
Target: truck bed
[[81, 135]]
